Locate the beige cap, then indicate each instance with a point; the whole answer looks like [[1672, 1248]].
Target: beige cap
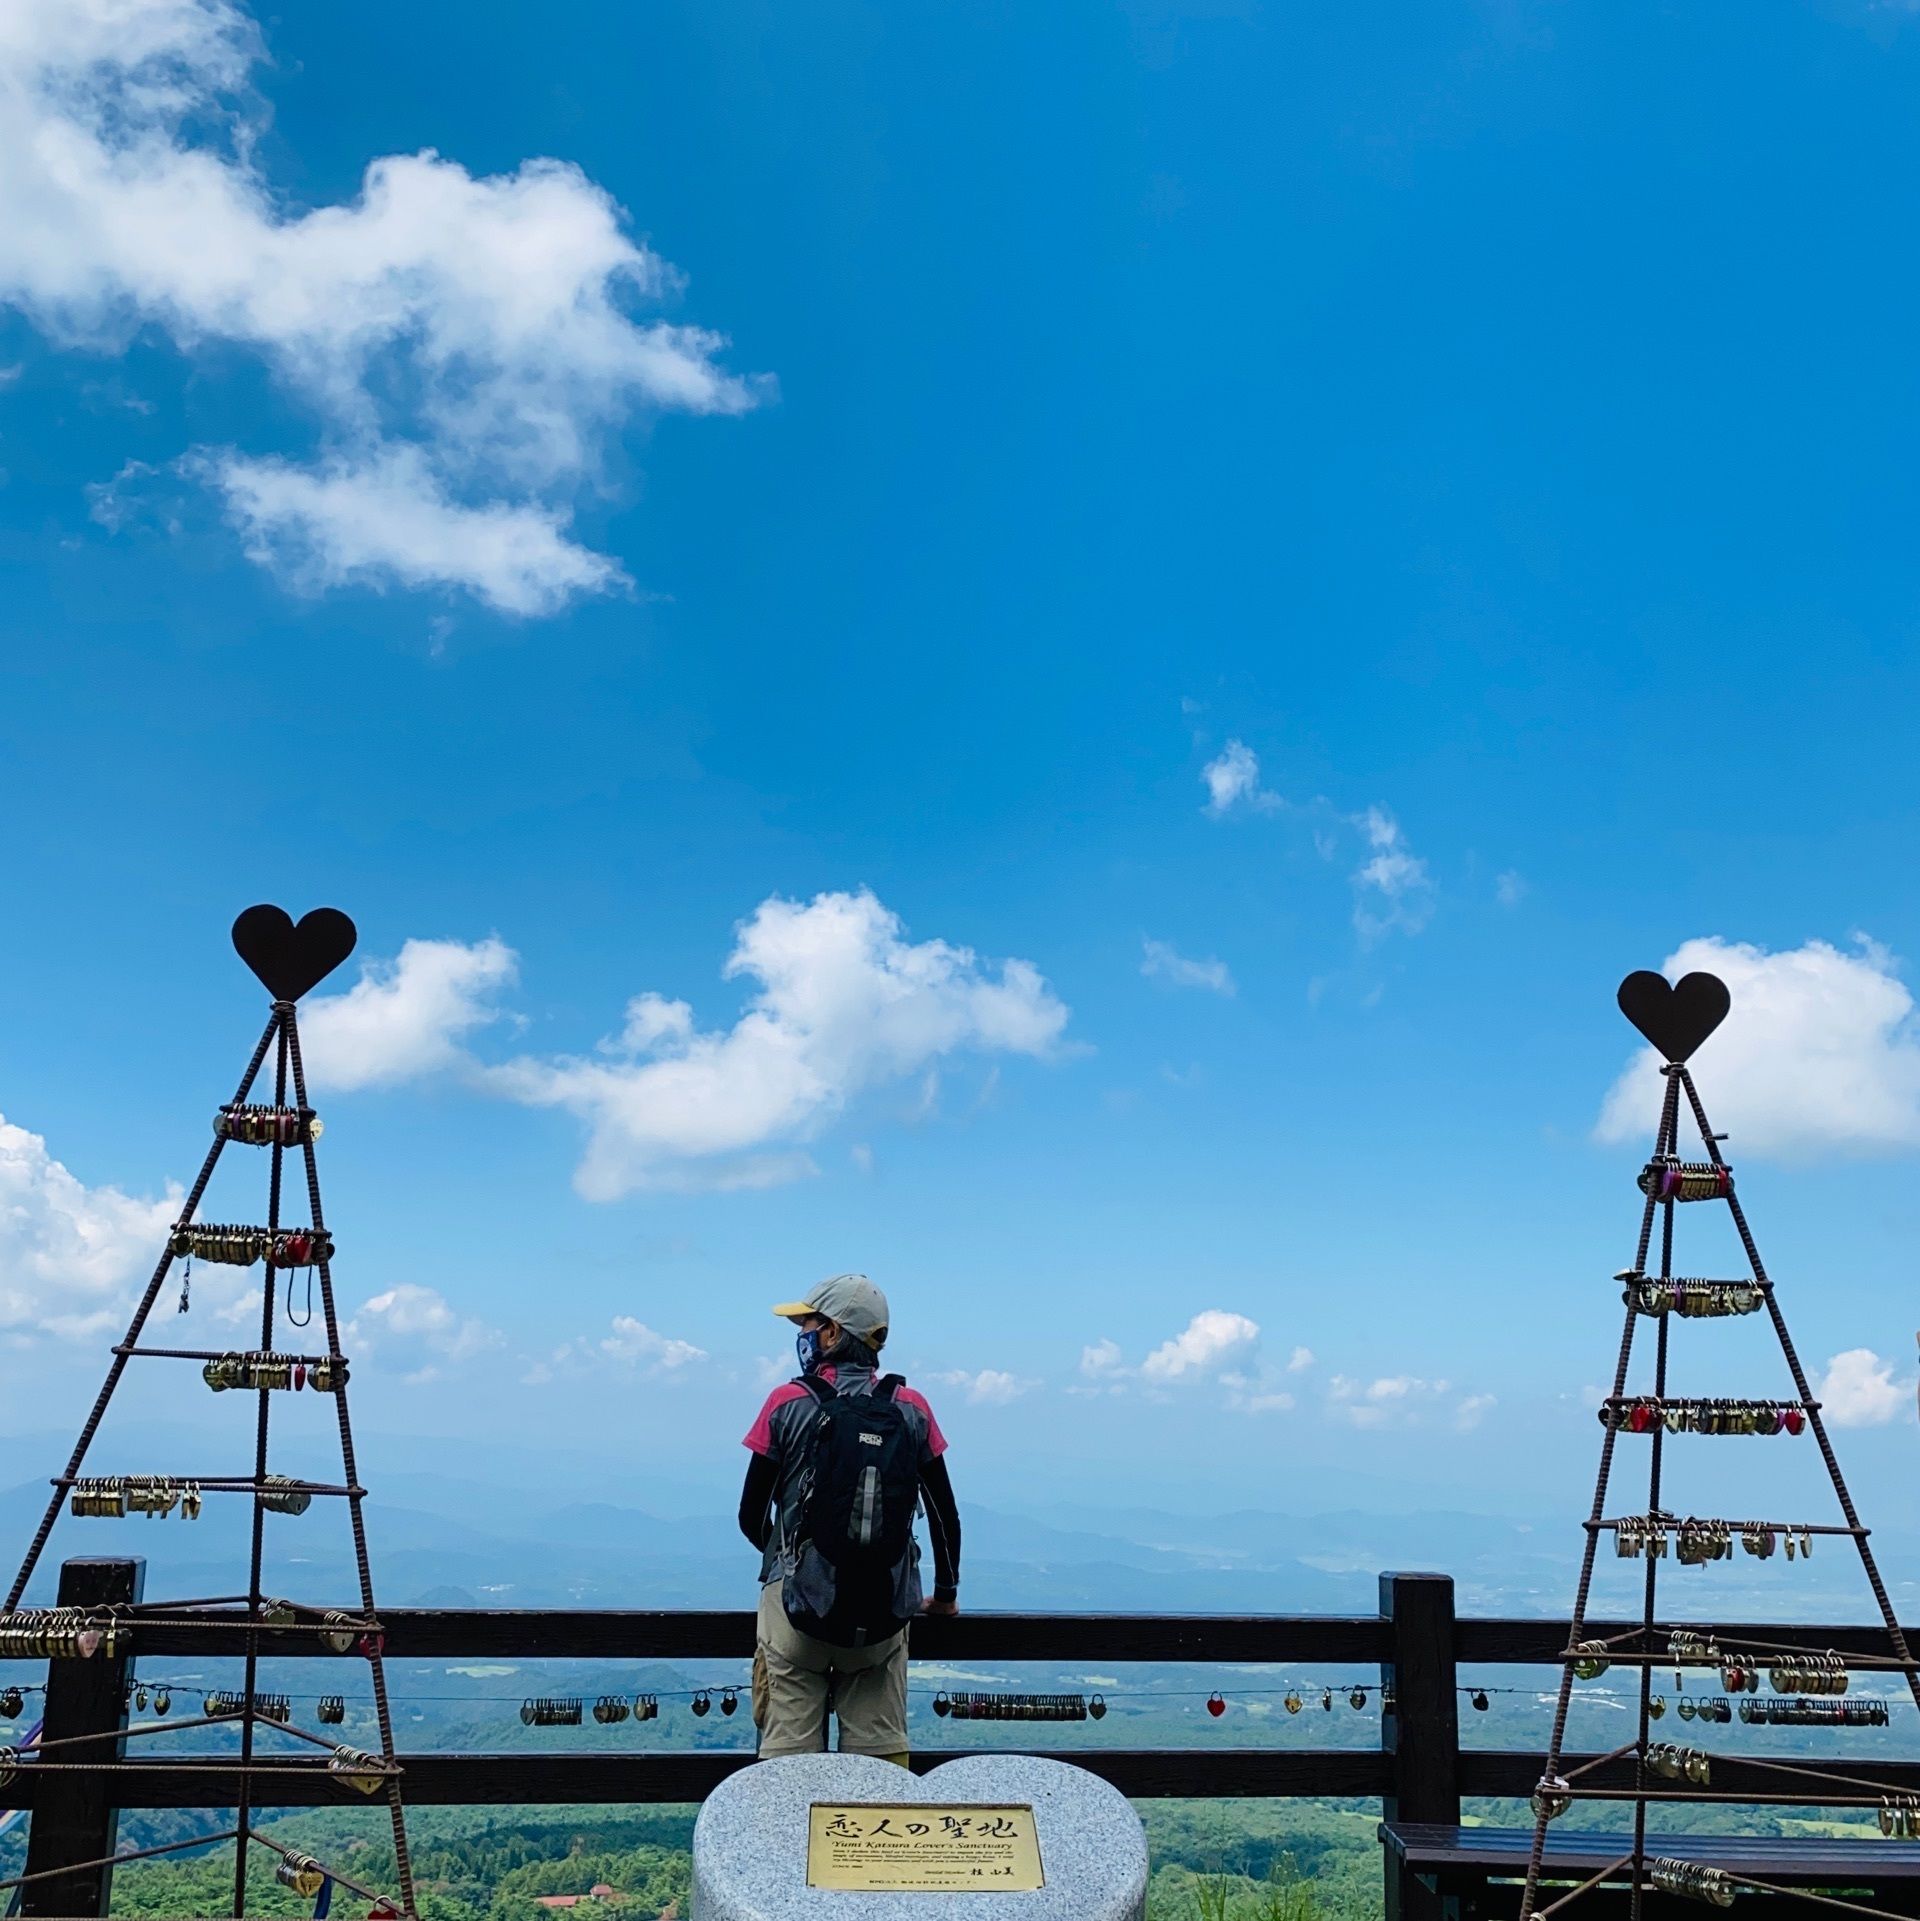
[[851, 1300]]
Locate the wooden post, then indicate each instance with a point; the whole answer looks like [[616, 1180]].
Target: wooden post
[[74, 1817], [1419, 1724]]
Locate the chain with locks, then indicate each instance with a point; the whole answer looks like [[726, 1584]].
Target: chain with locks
[[611, 1709], [65, 1632], [1675, 1763], [1712, 1885], [111, 1496], [1697, 1541], [324, 1373], [224, 1703], [300, 1872], [1863, 1711], [114, 1496], [234, 1246], [1900, 1816], [1644, 1413], [1665, 1178], [1688, 1296], [355, 1768], [252, 1125], [1019, 1707]]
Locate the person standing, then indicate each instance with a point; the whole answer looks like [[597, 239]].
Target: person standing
[[842, 1460]]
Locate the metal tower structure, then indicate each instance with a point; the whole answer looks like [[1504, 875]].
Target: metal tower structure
[[1779, 1685], [289, 960]]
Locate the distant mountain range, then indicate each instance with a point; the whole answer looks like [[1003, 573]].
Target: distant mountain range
[[440, 1541], [444, 1532]]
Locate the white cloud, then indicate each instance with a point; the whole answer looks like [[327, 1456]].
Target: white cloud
[[1246, 1393], [1819, 1055], [1510, 889], [383, 518], [1395, 1400], [1392, 888], [634, 1344], [991, 1387], [1162, 962], [1232, 780], [769, 1370], [1210, 1340], [1859, 1391], [633, 1347], [405, 1017], [1299, 1360], [68, 1251], [842, 1003], [466, 346], [1217, 1350], [416, 1324]]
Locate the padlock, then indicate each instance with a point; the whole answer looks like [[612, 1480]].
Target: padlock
[[356, 1769], [300, 1872]]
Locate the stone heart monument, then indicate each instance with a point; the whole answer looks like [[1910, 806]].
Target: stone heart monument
[[845, 1837]]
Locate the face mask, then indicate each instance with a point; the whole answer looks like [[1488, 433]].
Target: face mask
[[807, 1345]]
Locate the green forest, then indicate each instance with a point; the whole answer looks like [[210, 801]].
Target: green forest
[[1212, 1861], [1305, 1860]]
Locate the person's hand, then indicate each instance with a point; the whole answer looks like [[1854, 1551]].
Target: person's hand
[[931, 1606]]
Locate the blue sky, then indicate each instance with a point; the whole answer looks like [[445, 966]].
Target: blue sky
[[1181, 589]]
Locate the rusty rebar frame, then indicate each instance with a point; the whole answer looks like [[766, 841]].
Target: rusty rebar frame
[[1666, 1142], [282, 1034]]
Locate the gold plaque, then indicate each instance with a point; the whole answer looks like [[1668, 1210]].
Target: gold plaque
[[923, 1847]]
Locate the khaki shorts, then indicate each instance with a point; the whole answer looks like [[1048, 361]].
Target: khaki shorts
[[792, 1673]]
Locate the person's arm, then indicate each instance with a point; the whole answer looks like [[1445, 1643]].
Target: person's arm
[[756, 1498], [943, 1529]]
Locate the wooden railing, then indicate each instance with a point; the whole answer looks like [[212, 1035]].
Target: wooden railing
[[1419, 1772]]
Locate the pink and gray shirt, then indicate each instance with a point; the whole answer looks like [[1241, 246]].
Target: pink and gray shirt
[[776, 1475]]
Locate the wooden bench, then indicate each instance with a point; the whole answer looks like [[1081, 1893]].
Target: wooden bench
[[1450, 1873]]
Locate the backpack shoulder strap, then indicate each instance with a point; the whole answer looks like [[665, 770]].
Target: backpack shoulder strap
[[888, 1385], [822, 1391]]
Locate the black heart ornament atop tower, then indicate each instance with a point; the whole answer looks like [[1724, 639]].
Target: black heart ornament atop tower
[[290, 960], [1676, 1019]]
